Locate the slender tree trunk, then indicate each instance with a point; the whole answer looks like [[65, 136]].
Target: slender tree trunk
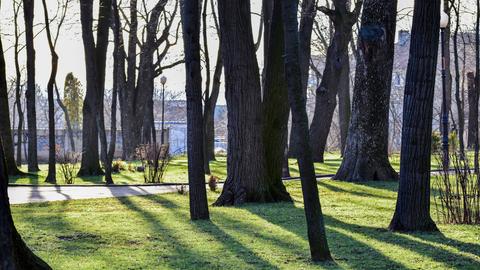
[[315, 225], [366, 151], [458, 99], [472, 110], [308, 11], [18, 87], [15, 253], [448, 71], [5, 127], [196, 175], [28, 10], [412, 212], [52, 171], [275, 98], [67, 119], [344, 104], [246, 164], [477, 84], [337, 59]]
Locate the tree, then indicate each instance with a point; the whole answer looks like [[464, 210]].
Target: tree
[[458, 96], [477, 84], [337, 62], [316, 229], [247, 176], [308, 11], [52, 171], [18, 87], [28, 11], [71, 105], [275, 97], [472, 110], [193, 87], [412, 212], [366, 151], [95, 59]]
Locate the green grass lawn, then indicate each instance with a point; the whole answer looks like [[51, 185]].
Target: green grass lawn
[[155, 232]]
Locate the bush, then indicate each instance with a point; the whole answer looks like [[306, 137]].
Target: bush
[[155, 159], [119, 165], [68, 166], [457, 198]]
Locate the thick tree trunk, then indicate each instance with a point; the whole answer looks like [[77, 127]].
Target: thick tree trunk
[[28, 10], [308, 11], [52, 171], [5, 127], [315, 225], [337, 59], [90, 164], [14, 252], [275, 98], [196, 175], [366, 151], [246, 165], [472, 110], [412, 211]]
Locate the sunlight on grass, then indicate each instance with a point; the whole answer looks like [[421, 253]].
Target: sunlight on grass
[[154, 232]]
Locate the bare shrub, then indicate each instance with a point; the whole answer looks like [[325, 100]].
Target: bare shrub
[[155, 160], [457, 198], [68, 162]]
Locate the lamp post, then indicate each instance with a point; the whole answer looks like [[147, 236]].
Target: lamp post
[[163, 80], [443, 24]]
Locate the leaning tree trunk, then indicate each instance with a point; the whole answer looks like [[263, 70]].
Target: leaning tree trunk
[[337, 59], [18, 87], [193, 87], [472, 110], [52, 172], [366, 151], [412, 211], [315, 225], [275, 98], [308, 11], [5, 128], [90, 164], [246, 165], [14, 252], [28, 10]]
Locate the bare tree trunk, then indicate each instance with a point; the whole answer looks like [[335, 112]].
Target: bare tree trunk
[[315, 225], [52, 171], [366, 151], [246, 165], [458, 99], [18, 87], [412, 212], [337, 59], [28, 10], [308, 12], [67, 119], [196, 175], [344, 104], [15, 253], [275, 98], [448, 70], [472, 110], [477, 84]]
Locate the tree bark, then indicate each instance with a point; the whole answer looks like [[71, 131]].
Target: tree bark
[[366, 151], [275, 98], [412, 212], [18, 87], [51, 177], [15, 253], [337, 59], [28, 10], [458, 100], [196, 175], [472, 110], [315, 225], [5, 127], [246, 165], [308, 11], [344, 104]]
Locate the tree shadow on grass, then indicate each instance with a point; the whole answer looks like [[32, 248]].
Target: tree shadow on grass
[[181, 250], [353, 192], [345, 249]]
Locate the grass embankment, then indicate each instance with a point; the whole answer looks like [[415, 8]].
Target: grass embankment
[[155, 232]]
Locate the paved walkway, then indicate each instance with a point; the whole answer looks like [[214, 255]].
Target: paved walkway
[[36, 194]]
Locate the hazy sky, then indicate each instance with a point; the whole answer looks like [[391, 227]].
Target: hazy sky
[[70, 47]]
